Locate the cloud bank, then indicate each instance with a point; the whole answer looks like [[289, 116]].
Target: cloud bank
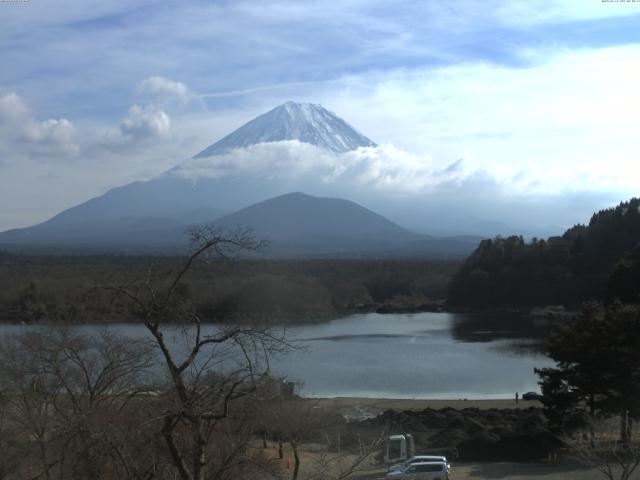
[[390, 170], [384, 168]]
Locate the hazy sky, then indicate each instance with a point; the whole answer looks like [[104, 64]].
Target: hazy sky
[[540, 100]]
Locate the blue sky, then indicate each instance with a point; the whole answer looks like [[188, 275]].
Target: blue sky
[[541, 97]]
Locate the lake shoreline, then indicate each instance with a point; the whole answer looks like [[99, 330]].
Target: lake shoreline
[[538, 315], [14, 316]]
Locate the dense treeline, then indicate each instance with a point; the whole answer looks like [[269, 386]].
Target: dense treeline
[[593, 261], [32, 288]]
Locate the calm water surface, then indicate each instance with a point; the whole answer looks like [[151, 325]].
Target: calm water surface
[[395, 355]]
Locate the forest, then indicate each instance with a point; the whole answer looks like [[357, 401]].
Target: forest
[[33, 288], [600, 261]]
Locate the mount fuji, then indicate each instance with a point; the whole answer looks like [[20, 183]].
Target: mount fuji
[[305, 122], [153, 215]]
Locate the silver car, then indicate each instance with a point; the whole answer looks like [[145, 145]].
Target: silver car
[[421, 471], [418, 458]]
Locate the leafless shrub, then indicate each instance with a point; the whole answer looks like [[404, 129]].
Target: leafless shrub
[[600, 448]]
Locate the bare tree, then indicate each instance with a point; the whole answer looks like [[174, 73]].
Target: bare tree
[[65, 397], [212, 369], [603, 450], [290, 420], [10, 457], [30, 397]]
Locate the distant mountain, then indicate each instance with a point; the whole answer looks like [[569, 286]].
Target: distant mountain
[[296, 216], [154, 215], [118, 216], [303, 225], [132, 233], [297, 226], [305, 122]]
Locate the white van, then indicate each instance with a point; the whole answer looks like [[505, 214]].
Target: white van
[[399, 448]]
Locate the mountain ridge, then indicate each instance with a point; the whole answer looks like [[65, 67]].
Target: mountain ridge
[[298, 225]]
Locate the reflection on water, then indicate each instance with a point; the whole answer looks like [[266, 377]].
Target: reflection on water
[[490, 326], [424, 355]]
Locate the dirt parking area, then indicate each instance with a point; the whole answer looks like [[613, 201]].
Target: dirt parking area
[[512, 471], [522, 471]]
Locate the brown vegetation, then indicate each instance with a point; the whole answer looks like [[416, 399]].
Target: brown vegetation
[[37, 289]]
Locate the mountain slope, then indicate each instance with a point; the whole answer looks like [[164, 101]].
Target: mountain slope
[[300, 225], [297, 216], [305, 122], [121, 233]]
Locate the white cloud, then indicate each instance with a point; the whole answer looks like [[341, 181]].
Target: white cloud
[[384, 168], [150, 121], [12, 109], [162, 86], [143, 123], [23, 135], [141, 126], [60, 131], [530, 12], [165, 91]]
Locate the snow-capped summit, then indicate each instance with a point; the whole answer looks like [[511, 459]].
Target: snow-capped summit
[[305, 122]]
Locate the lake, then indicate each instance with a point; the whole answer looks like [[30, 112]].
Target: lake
[[420, 355]]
